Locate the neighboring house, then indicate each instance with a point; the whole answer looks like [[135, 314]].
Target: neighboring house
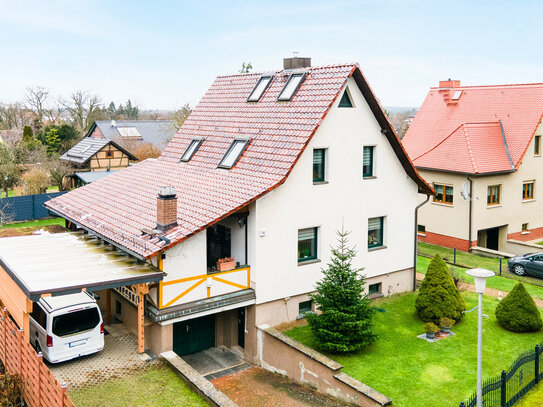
[[482, 142], [129, 133], [265, 170]]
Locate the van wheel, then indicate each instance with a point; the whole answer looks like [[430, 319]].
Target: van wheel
[[38, 347]]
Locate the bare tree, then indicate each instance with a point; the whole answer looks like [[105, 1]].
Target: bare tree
[[59, 170], [179, 116], [36, 98], [14, 116], [5, 215], [83, 109]]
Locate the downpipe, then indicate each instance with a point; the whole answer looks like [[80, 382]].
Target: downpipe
[[416, 241]]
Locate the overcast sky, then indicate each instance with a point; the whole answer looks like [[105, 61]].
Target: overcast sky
[[162, 54]]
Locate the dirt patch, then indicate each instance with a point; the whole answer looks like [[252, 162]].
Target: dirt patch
[[258, 387], [11, 232]]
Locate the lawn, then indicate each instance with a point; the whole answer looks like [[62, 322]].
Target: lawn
[[414, 372], [532, 398], [35, 223], [157, 386]]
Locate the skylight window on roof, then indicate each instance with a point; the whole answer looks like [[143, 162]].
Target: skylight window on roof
[[259, 89], [234, 152], [129, 132], [191, 149], [457, 95], [291, 86]]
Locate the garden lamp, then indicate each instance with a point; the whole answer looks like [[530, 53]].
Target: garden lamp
[[480, 276]]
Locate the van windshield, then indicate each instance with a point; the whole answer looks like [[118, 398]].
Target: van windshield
[[74, 322]]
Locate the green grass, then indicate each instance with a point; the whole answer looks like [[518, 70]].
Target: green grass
[[35, 223], [532, 398], [414, 372], [157, 386], [468, 259], [540, 243]]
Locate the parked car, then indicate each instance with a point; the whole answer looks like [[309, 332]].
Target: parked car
[[527, 264], [66, 327]]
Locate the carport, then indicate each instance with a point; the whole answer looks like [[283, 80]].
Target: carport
[[65, 263]]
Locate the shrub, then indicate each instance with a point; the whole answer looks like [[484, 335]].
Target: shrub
[[446, 322], [146, 150], [35, 181], [438, 296], [430, 327], [11, 391], [457, 276], [518, 313]]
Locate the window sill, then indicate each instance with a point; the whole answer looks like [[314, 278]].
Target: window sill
[[528, 200], [320, 182], [443, 204], [493, 206], [373, 249], [526, 232], [374, 296], [370, 177], [421, 234], [305, 262]]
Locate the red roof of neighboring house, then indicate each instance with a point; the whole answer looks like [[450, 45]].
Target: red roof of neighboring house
[[464, 134], [119, 206]]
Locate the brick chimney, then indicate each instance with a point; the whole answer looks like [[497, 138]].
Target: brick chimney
[[166, 209], [451, 83], [296, 62]]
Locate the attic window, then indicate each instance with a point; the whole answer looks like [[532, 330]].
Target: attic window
[[291, 86], [457, 95], [259, 89], [345, 99], [129, 133], [191, 149], [234, 152]]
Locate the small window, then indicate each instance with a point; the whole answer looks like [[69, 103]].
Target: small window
[[259, 89], [375, 232], [234, 152], [537, 145], [305, 306], [345, 100], [421, 228], [524, 227], [374, 288], [319, 155], [307, 244], [444, 194], [191, 149], [38, 314], [367, 165], [292, 85], [528, 190], [493, 195], [457, 95], [109, 154]]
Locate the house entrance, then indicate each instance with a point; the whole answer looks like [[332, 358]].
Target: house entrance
[[489, 238], [219, 244], [194, 335]]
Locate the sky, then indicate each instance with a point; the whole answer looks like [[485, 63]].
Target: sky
[[162, 54]]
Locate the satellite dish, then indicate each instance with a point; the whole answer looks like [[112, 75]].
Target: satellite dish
[[113, 123], [465, 191]]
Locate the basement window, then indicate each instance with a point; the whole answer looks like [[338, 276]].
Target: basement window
[[259, 89], [291, 87], [234, 152], [191, 149]]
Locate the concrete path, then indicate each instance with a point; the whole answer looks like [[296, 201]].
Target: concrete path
[[213, 363]]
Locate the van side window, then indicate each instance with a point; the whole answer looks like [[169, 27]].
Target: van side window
[[39, 315]]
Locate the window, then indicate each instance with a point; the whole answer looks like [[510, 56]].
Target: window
[[191, 149], [259, 89], [537, 145], [457, 95], [319, 155], [374, 288], [524, 227], [345, 99], [528, 190], [38, 314], [375, 232], [305, 306], [444, 194], [367, 165], [109, 154], [421, 228], [493, 195], [292, 85], [307, 244], [234, 152], [74, 322]]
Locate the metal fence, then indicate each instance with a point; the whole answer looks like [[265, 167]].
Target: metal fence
[[509, 387], [29, 207]]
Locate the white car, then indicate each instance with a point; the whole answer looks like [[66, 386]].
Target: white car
[[66, 327]]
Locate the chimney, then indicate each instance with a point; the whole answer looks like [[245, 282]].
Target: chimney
[[166, 209], [449, 84], [296, 62]]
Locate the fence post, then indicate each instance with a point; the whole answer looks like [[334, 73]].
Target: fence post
[[500, 266], [38, 392], [454, 261], [503, 402], [21, 340], [462, 404], [536, 364], [62, 393]]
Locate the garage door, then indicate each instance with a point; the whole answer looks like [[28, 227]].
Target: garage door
[[194, 335]]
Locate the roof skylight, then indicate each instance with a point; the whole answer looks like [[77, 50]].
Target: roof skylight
[[457, 95], [259, 89], [191, 149], [234, 152], [291, 86], [129, 132]]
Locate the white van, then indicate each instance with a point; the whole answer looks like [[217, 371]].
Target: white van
[[66, 327]]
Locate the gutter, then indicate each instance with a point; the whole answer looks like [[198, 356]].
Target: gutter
[[470, 211], [416, 241]]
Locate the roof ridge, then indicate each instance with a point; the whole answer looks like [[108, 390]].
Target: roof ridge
[[438, 144], [508, 85], [310, 68]]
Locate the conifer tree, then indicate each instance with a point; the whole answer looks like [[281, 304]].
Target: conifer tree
[[344, 322], [518, 313]]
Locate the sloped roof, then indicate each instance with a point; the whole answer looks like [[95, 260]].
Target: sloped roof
[[90, 176], [121, 205], [157, 132], [86, 148], [473, 120]]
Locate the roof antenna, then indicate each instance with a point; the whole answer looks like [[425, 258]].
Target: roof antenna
[[295, 53]]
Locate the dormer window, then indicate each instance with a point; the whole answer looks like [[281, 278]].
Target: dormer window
[[234, 152], [291, 87], [259, 89], [191, 149]]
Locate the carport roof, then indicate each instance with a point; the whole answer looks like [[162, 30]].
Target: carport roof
[[65, 263]]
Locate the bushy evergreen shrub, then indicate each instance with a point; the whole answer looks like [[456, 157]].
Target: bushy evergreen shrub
[[518, 313], [438, 296]]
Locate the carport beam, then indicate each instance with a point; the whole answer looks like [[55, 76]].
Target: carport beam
[[108, 306], [142, 289]]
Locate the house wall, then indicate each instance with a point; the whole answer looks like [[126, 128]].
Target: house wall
[[101, 162], [96, 133], [347, 198]]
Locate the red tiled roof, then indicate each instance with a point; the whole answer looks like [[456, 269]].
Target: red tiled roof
[[119, 206], [465, 135]]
